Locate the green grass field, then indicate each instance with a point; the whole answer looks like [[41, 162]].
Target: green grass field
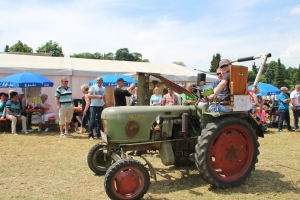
[[45, 166]]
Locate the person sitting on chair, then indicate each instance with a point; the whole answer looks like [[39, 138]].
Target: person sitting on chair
[[224, 65], [187, 100], [13, 113], [47, 112]]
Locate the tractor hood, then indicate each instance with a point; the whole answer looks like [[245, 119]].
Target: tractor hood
[[134, 123]]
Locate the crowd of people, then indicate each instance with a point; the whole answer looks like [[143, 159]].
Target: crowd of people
[[12, 105], [277, 108]]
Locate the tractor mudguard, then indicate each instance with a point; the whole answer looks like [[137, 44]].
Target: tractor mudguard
[[209, 116]]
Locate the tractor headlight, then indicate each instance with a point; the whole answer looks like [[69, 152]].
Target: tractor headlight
[[159, 119]]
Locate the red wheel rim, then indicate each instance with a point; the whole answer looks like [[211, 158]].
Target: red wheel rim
[[231, 153], [128, 182]]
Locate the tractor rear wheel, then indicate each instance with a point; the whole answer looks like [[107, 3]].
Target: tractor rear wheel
[[226, 152], [126, 179], [97, 160]]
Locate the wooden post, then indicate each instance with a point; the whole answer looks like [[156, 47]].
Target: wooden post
[[143, 92]]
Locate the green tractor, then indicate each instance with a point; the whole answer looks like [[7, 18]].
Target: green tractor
[[223, 145]]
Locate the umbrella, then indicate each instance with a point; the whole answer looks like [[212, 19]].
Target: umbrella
[[25, 80], [266, 89], [111, 80]]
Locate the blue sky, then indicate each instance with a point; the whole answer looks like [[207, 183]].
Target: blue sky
[[163, 31]]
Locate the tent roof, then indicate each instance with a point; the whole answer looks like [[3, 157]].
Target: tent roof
[[14, 63]]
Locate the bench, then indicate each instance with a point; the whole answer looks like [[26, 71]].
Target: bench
[[52, 120], [5, 122]]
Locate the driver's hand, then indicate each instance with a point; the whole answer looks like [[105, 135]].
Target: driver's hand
[[211, 97]]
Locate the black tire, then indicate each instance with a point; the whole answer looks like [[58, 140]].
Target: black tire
[[126, 179], [226, 152], [96, 160]]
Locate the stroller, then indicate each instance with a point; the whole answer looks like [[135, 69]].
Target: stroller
[[273, 118]]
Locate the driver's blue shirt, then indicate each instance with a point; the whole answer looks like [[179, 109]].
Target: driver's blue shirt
[[216, 84]]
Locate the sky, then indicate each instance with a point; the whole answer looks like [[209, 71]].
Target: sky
[[163, 31]]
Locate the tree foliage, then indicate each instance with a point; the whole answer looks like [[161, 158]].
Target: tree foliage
[[270, 72], [296, 78], [6, 48], [124, 54], [179, 63], [109, 56], [121, 54], [254, 68], [20, 47], [279, 75], [51, 47], [87, 55], [251, 76], [214, 64]]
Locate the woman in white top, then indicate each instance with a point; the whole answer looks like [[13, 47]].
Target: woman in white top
[[254, 98], [47, 112], [133, 98], [156, 98]]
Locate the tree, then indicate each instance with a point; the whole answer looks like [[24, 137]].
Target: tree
[[97, 55], [20, 47], [279, 75], [292, 79], [179, 63], [123, 54], [262, 79], [6, 49], [108, 56], [270, 73], [254, 68], [88, 55], [251, 77], [297, 77], [214, 64], [137, 56], [51, 47]]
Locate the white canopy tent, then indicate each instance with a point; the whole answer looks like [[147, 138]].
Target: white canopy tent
[[81, 71], [45, 65]]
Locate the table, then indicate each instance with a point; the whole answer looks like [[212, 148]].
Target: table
[[31, 112], [39, 110]]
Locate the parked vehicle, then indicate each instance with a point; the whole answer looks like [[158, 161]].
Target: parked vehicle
[[223, 145]]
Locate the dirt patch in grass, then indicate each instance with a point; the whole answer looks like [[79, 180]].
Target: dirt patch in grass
[[45, 166]]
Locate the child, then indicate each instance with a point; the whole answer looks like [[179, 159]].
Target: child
[[257, 114], [263, 117], [264, 113]]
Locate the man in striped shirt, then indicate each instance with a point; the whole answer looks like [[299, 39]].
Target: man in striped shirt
[[63, 99]]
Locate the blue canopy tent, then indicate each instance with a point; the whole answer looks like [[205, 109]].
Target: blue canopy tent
[[265, 89], [111, 80]]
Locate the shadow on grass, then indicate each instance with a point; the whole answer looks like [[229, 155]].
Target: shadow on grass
[[186, 178], [260, 182]]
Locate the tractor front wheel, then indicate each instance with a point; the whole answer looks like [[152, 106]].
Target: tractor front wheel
[[126, 179], [226, 152], [97, 159]]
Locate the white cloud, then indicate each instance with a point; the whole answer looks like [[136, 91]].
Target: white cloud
[[161, 38], [291, 53], [296, 10]]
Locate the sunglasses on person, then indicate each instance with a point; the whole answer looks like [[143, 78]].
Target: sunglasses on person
[[65, 81], [219, 73]]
